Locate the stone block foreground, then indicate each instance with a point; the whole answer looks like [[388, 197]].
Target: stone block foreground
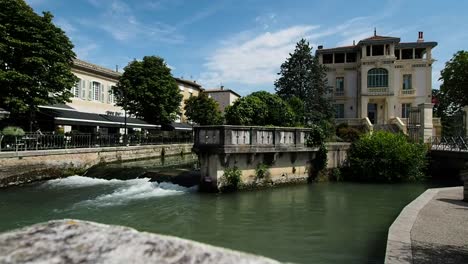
[[75, 241]]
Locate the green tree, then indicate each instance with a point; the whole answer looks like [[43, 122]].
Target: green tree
[[302, 76], [247, 111], [260, 109], [35, 61], [147, 90], [203, 110], [454, 79]]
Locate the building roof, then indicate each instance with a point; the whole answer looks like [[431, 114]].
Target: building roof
[[409, 45], [188, 82], [353, 48], [83, 65], [221, 90], [378, 39]]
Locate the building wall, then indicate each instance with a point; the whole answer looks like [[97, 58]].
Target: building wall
[[224, 99], [187, 92], [86, 101]]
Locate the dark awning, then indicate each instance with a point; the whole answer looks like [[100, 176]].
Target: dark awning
[[178, 126], [72, 117]]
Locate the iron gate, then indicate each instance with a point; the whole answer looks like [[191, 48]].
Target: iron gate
[[414, 123]]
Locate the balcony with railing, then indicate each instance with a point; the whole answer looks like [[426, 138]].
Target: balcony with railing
[[407, 92], [379, 91]]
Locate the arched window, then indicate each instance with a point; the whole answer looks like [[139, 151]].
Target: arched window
[[377, 78]]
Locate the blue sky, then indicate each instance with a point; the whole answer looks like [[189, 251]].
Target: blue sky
[[242, 43]]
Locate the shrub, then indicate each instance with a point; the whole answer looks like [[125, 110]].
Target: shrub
[[230, 180], [13, 131], [261, 172], [386, 157]]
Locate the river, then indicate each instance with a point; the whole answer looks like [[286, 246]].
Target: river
[[315, 223]]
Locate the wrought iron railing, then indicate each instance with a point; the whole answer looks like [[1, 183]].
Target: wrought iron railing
[[45, 141], [455, 144]]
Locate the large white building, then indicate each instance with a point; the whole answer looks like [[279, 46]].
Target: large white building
[[379, 77], [92, 107]]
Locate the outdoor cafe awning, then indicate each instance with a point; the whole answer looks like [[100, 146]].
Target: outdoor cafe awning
[[69, 116]]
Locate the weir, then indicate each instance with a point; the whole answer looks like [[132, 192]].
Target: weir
[[264, 155]]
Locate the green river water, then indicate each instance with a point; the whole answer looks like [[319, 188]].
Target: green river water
[[315, 223]]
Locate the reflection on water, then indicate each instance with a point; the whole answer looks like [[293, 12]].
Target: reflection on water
[[317, 223]]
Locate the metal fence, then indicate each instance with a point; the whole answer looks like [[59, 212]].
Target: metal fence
[[44, 141], [455, 144]]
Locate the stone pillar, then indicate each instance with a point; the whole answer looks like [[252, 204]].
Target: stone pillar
[[426, 127], [364, 101]]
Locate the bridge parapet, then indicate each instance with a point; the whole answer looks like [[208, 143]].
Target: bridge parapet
[[263, 155], [240, 139]]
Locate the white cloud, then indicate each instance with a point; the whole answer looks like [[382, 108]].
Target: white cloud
[[83, 51], [254, 61], [119, 20]]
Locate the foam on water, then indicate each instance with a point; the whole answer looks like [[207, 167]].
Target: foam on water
[[123, 190], [81, 181]]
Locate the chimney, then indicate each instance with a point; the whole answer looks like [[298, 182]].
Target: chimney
[[354, 42], [420, 36], [222, 87], [117, 68], [320, 47]]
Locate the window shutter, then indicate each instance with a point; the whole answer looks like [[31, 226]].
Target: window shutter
[[83, 89], [90, 91], [109, 94], [102, 92]]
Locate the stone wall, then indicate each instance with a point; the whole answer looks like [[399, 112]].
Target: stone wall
[[281, 167], [26, 166], [75, 241]]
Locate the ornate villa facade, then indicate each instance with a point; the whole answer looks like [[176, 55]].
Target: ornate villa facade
[[380, 78]]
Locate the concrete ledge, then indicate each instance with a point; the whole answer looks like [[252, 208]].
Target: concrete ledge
[[48, 152], [75, 241], [27, 166], [399, 250]]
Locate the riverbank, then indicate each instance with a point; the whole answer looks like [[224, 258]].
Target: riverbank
[[431, 229], [27, 166]]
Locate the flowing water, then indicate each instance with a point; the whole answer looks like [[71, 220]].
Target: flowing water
[[316, 223]]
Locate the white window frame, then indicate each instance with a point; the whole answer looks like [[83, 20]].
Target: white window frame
[[405, 110], [94, 90], [410, 82]]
